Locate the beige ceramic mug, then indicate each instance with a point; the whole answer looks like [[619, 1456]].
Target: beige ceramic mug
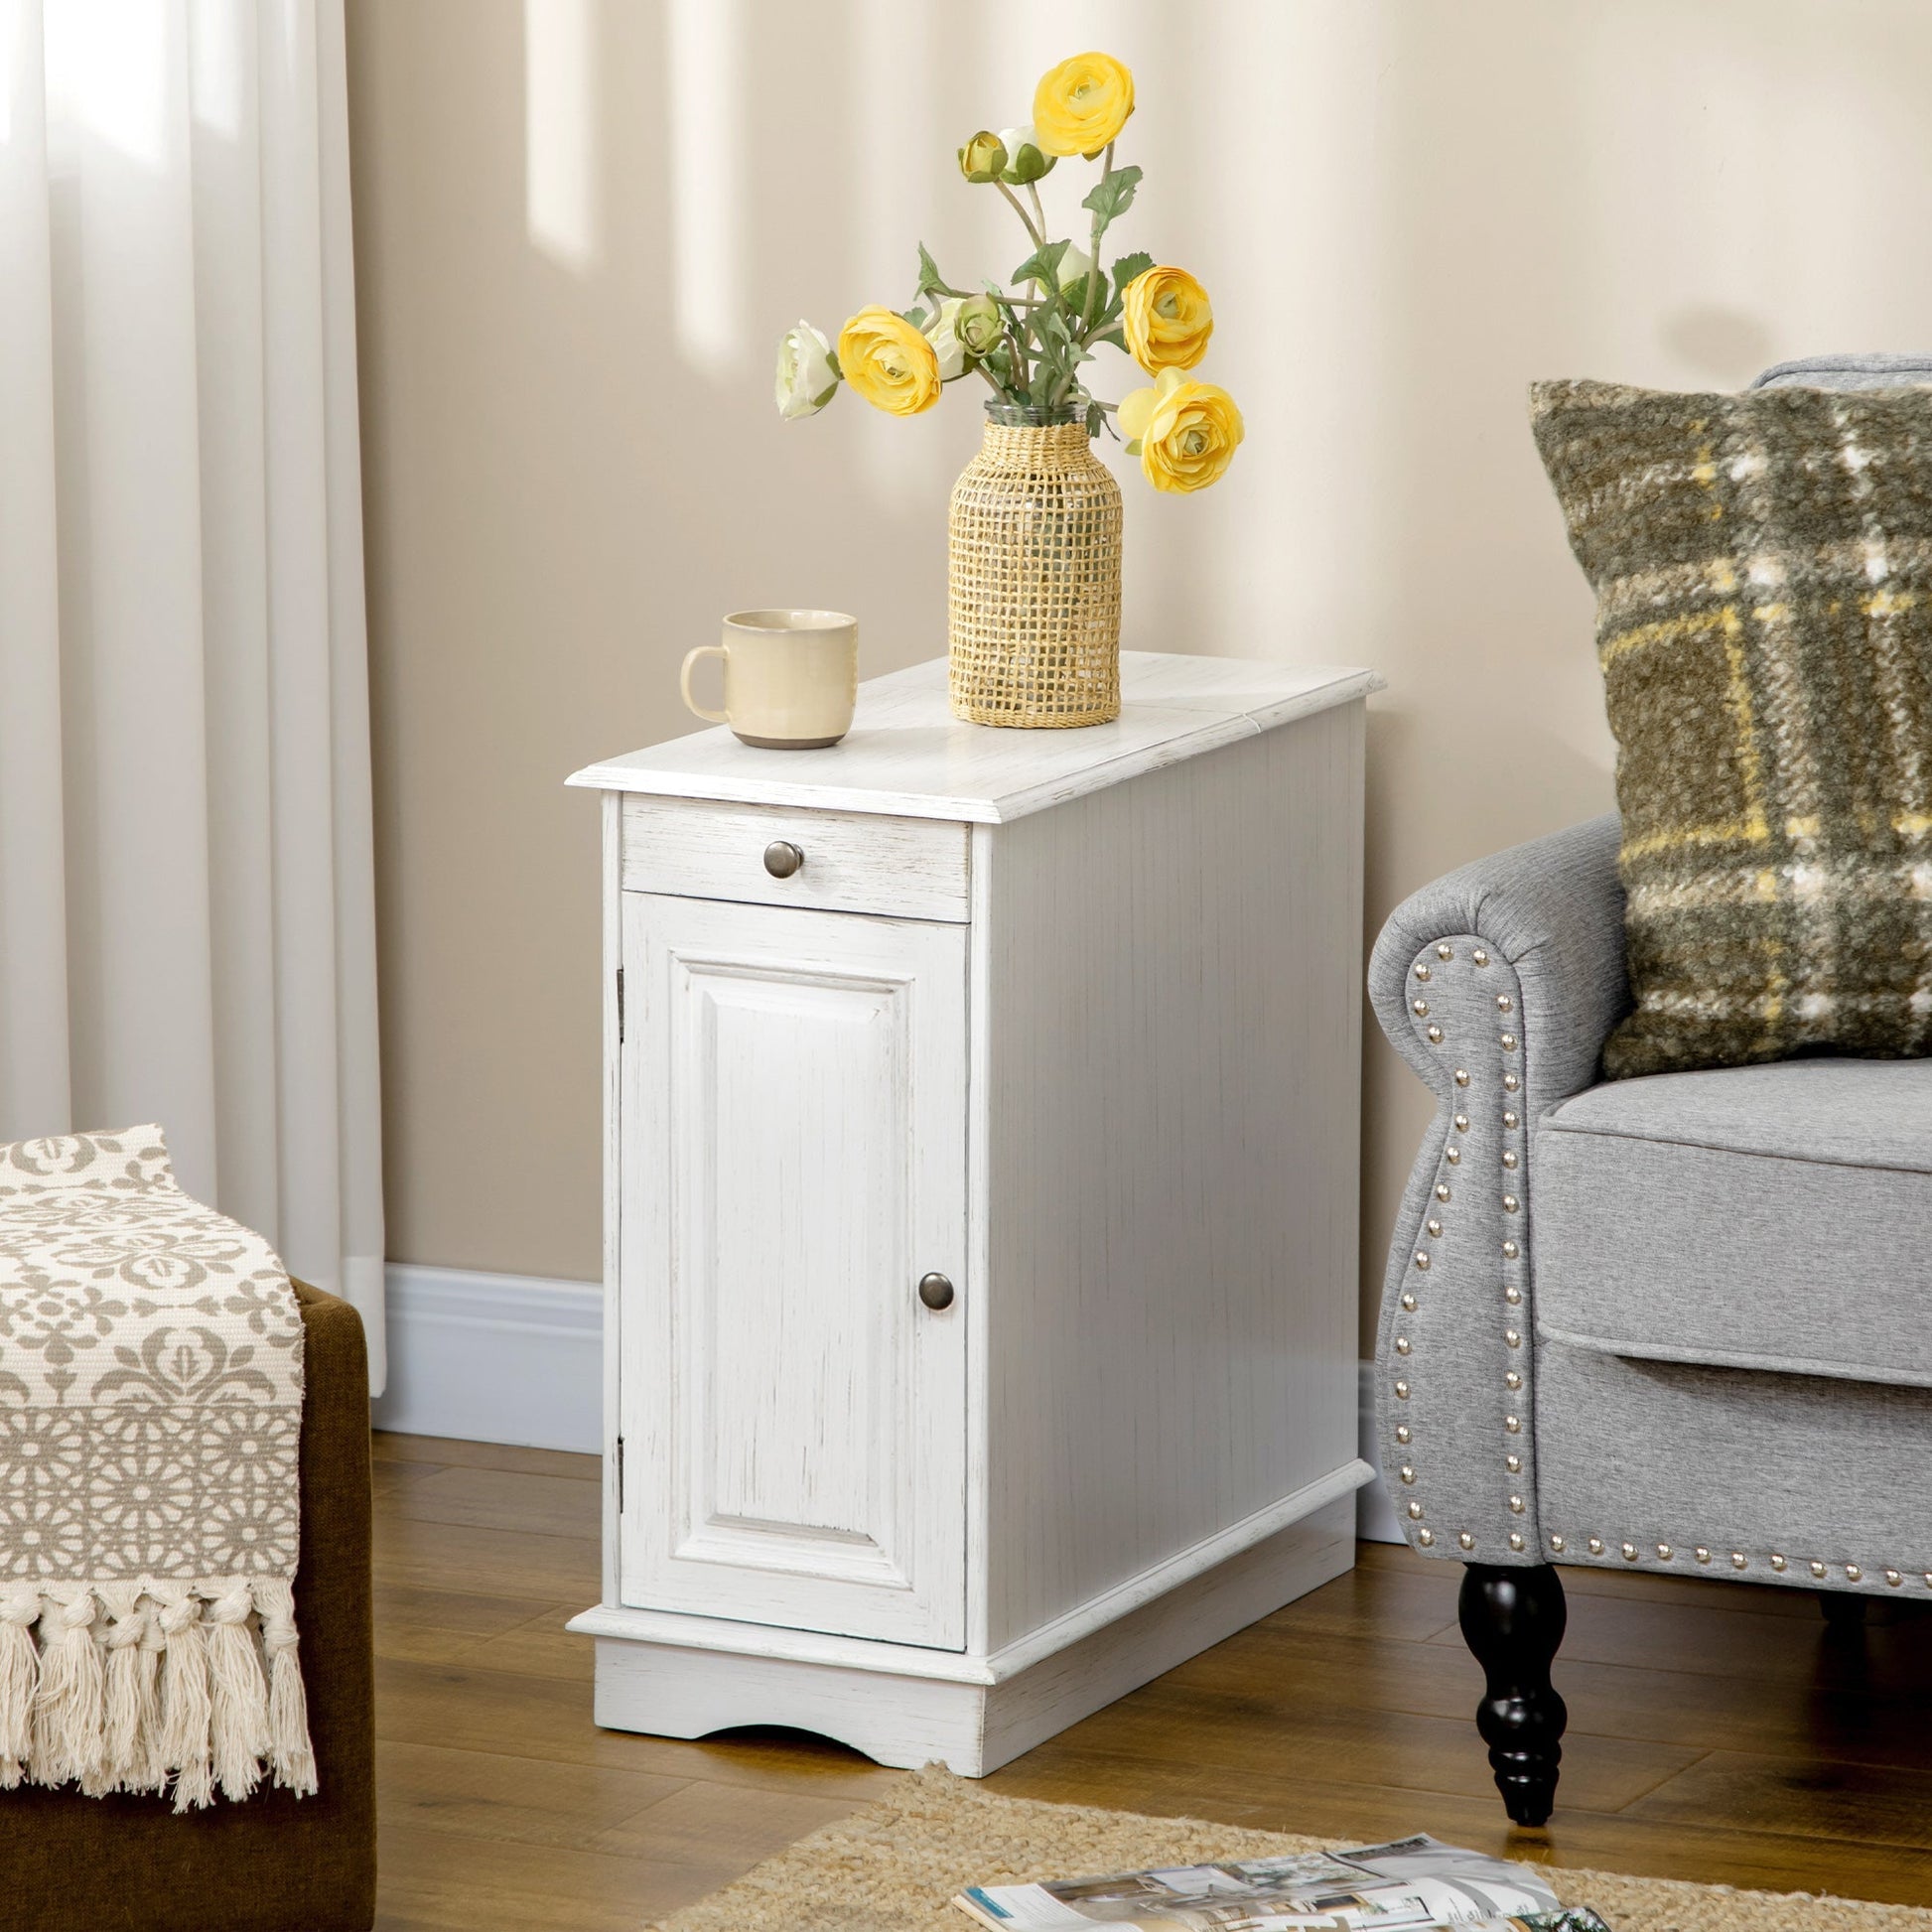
[[791, 677]]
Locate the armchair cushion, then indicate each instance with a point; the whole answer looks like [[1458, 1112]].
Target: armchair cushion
[[1763, 571], [1766, 1217]]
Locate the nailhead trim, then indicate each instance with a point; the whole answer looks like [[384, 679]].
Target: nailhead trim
[[1814, 1567], [1405, 1346]]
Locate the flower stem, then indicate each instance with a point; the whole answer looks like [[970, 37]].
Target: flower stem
[[1013, 201]]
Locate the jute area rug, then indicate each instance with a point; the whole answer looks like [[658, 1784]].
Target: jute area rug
[[893, 1868]]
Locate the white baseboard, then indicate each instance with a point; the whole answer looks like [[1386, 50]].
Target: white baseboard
[[516, 1358], [493, 1358], [1374, 1515]]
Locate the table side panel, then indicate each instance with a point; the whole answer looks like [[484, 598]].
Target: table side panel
[[1172, 1059]]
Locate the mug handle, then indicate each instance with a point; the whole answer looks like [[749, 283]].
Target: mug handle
[[684, 683]]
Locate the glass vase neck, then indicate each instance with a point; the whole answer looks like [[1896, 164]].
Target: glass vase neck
[[1019, 415]]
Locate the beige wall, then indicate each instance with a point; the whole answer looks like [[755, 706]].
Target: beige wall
[[581, 226]]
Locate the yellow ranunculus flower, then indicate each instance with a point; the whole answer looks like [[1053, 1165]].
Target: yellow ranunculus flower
[[1186, 432], [1082, 104], [889, 362], [1168, 319]]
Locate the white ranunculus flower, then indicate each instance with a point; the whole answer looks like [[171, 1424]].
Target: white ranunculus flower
[[944, 337], [1026, 160], [808, 378], [1075, 263]]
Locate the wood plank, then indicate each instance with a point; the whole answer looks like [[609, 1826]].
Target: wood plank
[[540, 1647], [440, 1882], [551, 1720], [502, 1499], [707, 1823], [467, 1558], [442, 1626], [1606, 1700], [1867, 1803], [1395, 1751], [389, 1446], [496, 1795]]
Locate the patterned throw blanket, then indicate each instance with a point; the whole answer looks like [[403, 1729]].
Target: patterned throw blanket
[[150, 1417]]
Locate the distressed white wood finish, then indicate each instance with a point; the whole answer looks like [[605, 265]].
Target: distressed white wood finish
[[978, 1717], [855, 861], [908, 755], [1169, 1068], [798, 1415], [612, 1000], [1129, 1141]]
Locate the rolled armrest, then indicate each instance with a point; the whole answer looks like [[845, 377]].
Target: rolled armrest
[[1498, 984], [1553, 909]]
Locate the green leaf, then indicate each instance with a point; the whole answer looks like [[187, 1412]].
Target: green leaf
[[1043, 265], [1113, 336], [1112, 194], [1127, 269], [930, 276], [1096, 416], [1076, 295], [917, 317]]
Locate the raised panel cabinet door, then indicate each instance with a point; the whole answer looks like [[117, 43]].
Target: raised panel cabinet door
[[793, 1162]]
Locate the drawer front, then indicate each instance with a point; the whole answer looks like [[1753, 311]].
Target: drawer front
[[854, 862]]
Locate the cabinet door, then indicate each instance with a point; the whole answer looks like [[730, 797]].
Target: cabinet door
[[794, 1160]]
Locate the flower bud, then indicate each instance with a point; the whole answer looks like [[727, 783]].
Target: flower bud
[[983, 158], [1026, 161], [978, 324]]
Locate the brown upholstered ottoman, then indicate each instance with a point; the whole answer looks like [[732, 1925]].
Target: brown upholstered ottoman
[[276, 1862]]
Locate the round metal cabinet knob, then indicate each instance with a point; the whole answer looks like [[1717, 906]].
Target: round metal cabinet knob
[[782, 858], [935, 1291]]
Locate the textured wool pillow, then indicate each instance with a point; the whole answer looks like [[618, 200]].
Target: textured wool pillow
[[1763, 574]]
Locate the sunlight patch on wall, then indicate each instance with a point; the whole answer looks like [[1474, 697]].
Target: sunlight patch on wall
[[560, 130], [707, 83]]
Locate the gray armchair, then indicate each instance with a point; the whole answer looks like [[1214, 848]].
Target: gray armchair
[[1675, 1323]]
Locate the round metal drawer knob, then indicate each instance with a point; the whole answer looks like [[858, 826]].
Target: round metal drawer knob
[[935, 1291], [782, 858]]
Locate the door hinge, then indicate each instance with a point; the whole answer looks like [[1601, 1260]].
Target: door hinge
[[620, 1006], [619, 1475]]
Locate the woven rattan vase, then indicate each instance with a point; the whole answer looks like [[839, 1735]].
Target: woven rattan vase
[[1035, 577]]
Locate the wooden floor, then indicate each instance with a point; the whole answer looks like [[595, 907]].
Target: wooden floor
[[1716, 1731]]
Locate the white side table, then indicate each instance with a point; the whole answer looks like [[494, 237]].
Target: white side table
[[981, 1187]]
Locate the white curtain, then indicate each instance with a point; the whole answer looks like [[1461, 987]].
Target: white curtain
[[187, 905]]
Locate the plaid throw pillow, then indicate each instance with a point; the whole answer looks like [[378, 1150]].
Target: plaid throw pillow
[[1763, 574]]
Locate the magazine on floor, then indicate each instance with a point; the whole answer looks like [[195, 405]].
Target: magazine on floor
[[1410, 1883]]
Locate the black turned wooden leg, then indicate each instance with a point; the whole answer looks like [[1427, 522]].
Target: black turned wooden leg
[[1512, 1620]]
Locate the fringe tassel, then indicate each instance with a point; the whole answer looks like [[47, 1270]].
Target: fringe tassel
[[240, 1694], [187, 1708], [20, 1677], [133, 1708], [289, 1748], [137, 1686], [67, 1710]]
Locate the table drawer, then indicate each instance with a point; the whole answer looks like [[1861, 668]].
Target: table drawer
[[854, 862]]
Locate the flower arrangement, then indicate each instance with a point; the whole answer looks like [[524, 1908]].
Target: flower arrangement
[[1030, 337]]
